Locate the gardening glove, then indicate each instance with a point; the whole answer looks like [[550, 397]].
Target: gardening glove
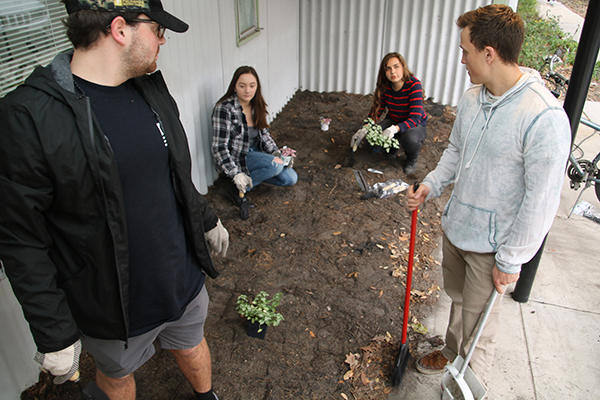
[[276, 153], [391, 131], [242, 181], [63, 364], [218, 239], [357, 138]]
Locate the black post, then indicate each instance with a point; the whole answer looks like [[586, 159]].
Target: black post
[[583, 67]]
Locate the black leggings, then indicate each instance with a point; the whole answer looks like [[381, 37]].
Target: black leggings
[[411, 140]]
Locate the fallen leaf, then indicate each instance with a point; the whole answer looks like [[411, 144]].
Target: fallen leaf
[[352, 359], [312, 334], [380, 246], [378, 338], [364, 379], [344, 396], [338, 166], [336, 233], [348, 375], [332, 140], [419, 328]]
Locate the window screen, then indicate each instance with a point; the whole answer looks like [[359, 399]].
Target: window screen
[[31, 34]]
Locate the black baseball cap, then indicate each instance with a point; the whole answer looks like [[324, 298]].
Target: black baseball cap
[[151, 8]]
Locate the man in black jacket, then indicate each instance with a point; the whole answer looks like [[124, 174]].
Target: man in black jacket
[[103, 235]]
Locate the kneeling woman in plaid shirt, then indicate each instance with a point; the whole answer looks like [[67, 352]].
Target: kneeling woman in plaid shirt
[[242, 147]]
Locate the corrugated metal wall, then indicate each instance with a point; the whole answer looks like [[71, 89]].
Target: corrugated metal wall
[[199, 64], [342, 43]]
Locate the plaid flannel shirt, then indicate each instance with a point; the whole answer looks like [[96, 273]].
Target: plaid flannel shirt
[[230, 142]]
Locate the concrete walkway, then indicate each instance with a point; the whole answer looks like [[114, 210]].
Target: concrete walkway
[[549, 347]]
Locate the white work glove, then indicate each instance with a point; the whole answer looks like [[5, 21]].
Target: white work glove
[[391, 131], [63, 364], [357, 138], [242, 181], [218, 239]]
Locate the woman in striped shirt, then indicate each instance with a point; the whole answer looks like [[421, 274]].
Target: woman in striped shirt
[[400, 93]]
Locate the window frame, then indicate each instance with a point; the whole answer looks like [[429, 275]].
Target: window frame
[[243, 37]]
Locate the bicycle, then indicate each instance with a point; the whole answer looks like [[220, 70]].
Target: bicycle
[[559, 81], [581, 172]]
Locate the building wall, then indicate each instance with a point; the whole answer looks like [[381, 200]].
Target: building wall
[[342, 43], [198, 65]]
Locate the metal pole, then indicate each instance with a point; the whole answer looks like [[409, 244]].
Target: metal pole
[[583, 68]]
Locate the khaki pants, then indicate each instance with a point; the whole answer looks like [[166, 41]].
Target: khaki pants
[[468, 282]]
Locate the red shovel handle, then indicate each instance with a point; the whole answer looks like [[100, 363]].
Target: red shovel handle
[[411, 256]]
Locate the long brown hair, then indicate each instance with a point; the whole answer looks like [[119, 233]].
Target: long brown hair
[[383, 82], [259, 107]]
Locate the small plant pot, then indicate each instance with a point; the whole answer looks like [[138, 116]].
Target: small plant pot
[[253, 328], [324, 127], [376, 148]]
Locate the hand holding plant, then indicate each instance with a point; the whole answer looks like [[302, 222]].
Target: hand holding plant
[[375, 136]]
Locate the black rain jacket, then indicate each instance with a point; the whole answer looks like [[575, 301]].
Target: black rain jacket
[[63, 234]]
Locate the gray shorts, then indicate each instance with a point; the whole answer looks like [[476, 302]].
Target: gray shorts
[[116, 361]]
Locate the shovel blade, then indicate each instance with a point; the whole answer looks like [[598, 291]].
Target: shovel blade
[[461, 387], [401, 364]]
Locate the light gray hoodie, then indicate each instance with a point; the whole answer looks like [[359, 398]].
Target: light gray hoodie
[[507, 161]]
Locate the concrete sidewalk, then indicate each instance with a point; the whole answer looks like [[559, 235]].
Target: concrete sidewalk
[[549, 347]]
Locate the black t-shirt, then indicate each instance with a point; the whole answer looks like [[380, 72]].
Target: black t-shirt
[[164, 275]]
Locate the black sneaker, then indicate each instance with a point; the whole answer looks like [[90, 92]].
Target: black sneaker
[[411, 167]]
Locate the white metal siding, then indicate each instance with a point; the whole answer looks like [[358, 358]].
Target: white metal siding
[[342, 43], [199, 64]]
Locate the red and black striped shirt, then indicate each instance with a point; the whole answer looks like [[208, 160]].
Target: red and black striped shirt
[[405, 106]]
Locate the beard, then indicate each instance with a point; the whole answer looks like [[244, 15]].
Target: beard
[[137, 61]]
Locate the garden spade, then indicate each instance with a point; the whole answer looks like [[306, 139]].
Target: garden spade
[[404, 353], [244, 212]]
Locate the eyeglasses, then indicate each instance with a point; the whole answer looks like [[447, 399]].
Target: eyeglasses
[[158, 29]]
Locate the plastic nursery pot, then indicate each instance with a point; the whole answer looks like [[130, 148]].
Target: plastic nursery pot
[[253, 328], [324, 127]]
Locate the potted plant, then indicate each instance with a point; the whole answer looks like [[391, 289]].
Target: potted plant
[[260, 313], [376, 139]]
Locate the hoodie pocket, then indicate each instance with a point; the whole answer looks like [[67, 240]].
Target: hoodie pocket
[[469, 227]]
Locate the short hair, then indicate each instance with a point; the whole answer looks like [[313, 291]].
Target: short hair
[[85, 27], [498, 26]]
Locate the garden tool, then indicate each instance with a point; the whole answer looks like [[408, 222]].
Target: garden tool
[[404, 353], [459, 381], [244, 207]]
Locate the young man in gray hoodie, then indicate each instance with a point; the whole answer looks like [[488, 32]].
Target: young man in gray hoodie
[[506, 158]]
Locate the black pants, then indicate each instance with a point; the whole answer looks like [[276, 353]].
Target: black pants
[[411, 140]]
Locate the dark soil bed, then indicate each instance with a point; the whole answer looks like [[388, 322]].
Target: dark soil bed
[[339, 260]]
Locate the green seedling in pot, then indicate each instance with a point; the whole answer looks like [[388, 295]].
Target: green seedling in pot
[[376, 138], [261, 309]]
